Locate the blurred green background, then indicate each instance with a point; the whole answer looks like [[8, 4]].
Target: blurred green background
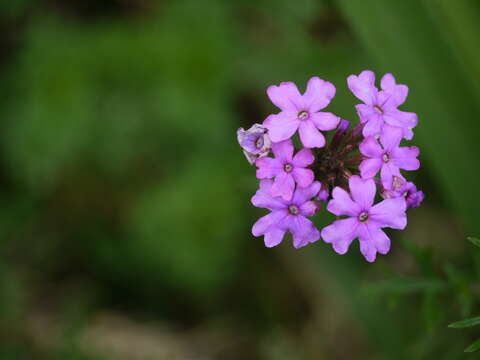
[[125, 209]]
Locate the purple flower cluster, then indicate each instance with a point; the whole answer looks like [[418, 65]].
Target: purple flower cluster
[[348, 172]]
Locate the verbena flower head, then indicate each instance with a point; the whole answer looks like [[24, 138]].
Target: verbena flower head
[[380, 107], [301, 112], [357, 171], [255, 142]]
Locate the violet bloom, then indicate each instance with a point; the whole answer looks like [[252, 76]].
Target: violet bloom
[[286, 169], [301, 112], [401, 188], [254, 142], [390, 159], [380, 107], [413, 196], [365, 220], [286, 215], [395, 188]]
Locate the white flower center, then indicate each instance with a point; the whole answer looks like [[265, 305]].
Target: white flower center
[[363, 216], [288, 167], [386, 158], [378, 109], [303, 115], [293, 209]]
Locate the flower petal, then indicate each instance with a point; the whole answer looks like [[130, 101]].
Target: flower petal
[[268, 167], [390, 213], [398, 93], [263, 199], [369, 168], [389, 170], [406, 158], [263, 224], [283, 150], [283, 186], [309, 208], [302, 195], [303, 231], [281, 126], [310, 136], [363, 86], [325, 120], [303, 158], [391, 137], [405, 120], [340, 234], [285, 96], [251, 158], [273, 237], [342, 203], [365, 112], [370, 147], [373, 125], [372, 239], [318, 95], [363, 191], [303, 177]]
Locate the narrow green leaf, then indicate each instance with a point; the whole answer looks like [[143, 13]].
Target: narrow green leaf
[[466, 323], [474, 241], [473, 347]]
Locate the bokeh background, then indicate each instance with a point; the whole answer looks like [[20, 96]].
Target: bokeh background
[[125, 209]]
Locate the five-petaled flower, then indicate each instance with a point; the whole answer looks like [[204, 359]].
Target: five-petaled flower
[[390, 159], [365, 220], [286, 215], [380, 106], [286, 169], [301, 112]]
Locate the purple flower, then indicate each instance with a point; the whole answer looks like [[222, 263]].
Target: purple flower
[[401, 188], [390, 159], [413, 196], [365, 220], [395, 188], [286, 215], [286, 169], [254, 142], [301, 112], [380, 107]]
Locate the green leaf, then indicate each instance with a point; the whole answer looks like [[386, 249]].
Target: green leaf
[[466, 323], [474, 241], [473, 347]]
